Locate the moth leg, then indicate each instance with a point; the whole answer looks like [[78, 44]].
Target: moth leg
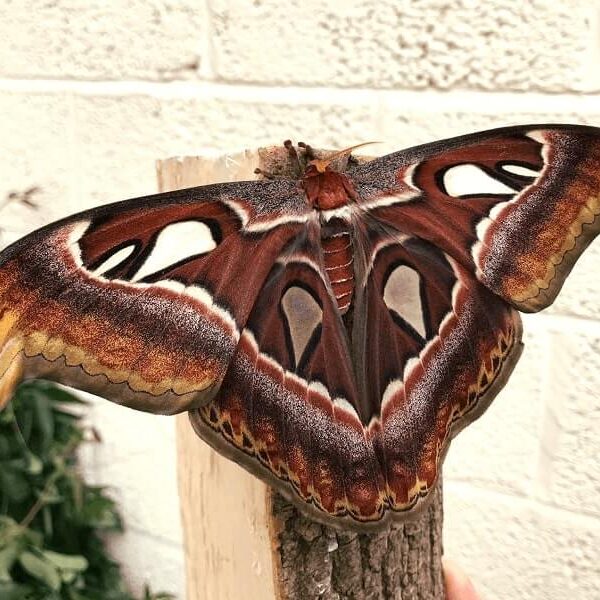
[[293, 154], [266, 174], [308, 151], [296, 164]]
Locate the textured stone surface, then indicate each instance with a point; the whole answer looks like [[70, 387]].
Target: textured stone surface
[[430, 119], [119, 138], [150, 455], [515, 548], [432, 43], [499, 451], [101, 40], [570, 444], [35, 152]]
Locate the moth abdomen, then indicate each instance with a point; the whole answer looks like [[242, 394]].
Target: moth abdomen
[[338, 259]]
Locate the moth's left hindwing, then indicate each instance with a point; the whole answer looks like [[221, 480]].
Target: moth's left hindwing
[[141, 301], [287, 409]]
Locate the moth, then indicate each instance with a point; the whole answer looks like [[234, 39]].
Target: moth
[[332, 333]]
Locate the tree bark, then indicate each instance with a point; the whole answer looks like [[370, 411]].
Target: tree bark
[[244, 540], [402, 562]]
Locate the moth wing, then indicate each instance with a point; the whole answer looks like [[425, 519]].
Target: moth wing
[[288, 408], [517, 205], [432, 346], [142, 301]]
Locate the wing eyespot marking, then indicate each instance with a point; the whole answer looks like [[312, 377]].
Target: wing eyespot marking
[[402, 295], [174, 244], [303, 318], [112, 261], [469, 180], [523, 171]]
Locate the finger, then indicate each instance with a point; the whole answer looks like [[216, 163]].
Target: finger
[[458, 585]]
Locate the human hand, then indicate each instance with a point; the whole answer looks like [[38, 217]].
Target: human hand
[[458, 585]]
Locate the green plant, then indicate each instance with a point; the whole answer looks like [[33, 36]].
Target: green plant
[[50, 520]]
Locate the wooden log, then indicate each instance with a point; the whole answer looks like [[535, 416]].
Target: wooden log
[[225, 512], [242, 540]]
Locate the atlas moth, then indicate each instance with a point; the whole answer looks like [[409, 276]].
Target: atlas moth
[[331, 334]]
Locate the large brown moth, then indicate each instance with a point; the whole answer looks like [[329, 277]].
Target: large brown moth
[[331, 334]]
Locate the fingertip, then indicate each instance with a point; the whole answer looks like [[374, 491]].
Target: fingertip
[[458, 584]]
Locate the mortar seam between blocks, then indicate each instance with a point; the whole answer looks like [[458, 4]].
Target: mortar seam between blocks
[[430, 100], [525, 501]]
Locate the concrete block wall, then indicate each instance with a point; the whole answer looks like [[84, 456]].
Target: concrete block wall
[[92, 93]]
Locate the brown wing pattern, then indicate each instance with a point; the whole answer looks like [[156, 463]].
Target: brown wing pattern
[[219, 299], [433, 348], [73, 308], [288, 402], [517, 205], [292, 410]]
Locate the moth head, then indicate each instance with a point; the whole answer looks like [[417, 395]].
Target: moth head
[[326, 186]]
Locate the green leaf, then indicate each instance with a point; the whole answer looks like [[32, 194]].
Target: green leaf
[[8, 556], [99, 511], [8, 414], [66, 562], [41, 569], [44, 418], [59, 555], [34, 465], [65, 418], [47, 519], [5, 447], [34, 539], [8, 528], [13, 483], [16, 591], [57, 394]]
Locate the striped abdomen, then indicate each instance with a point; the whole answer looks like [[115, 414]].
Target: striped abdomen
[[338, 258]]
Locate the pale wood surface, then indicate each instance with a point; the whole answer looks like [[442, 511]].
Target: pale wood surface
[[224, 508]]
